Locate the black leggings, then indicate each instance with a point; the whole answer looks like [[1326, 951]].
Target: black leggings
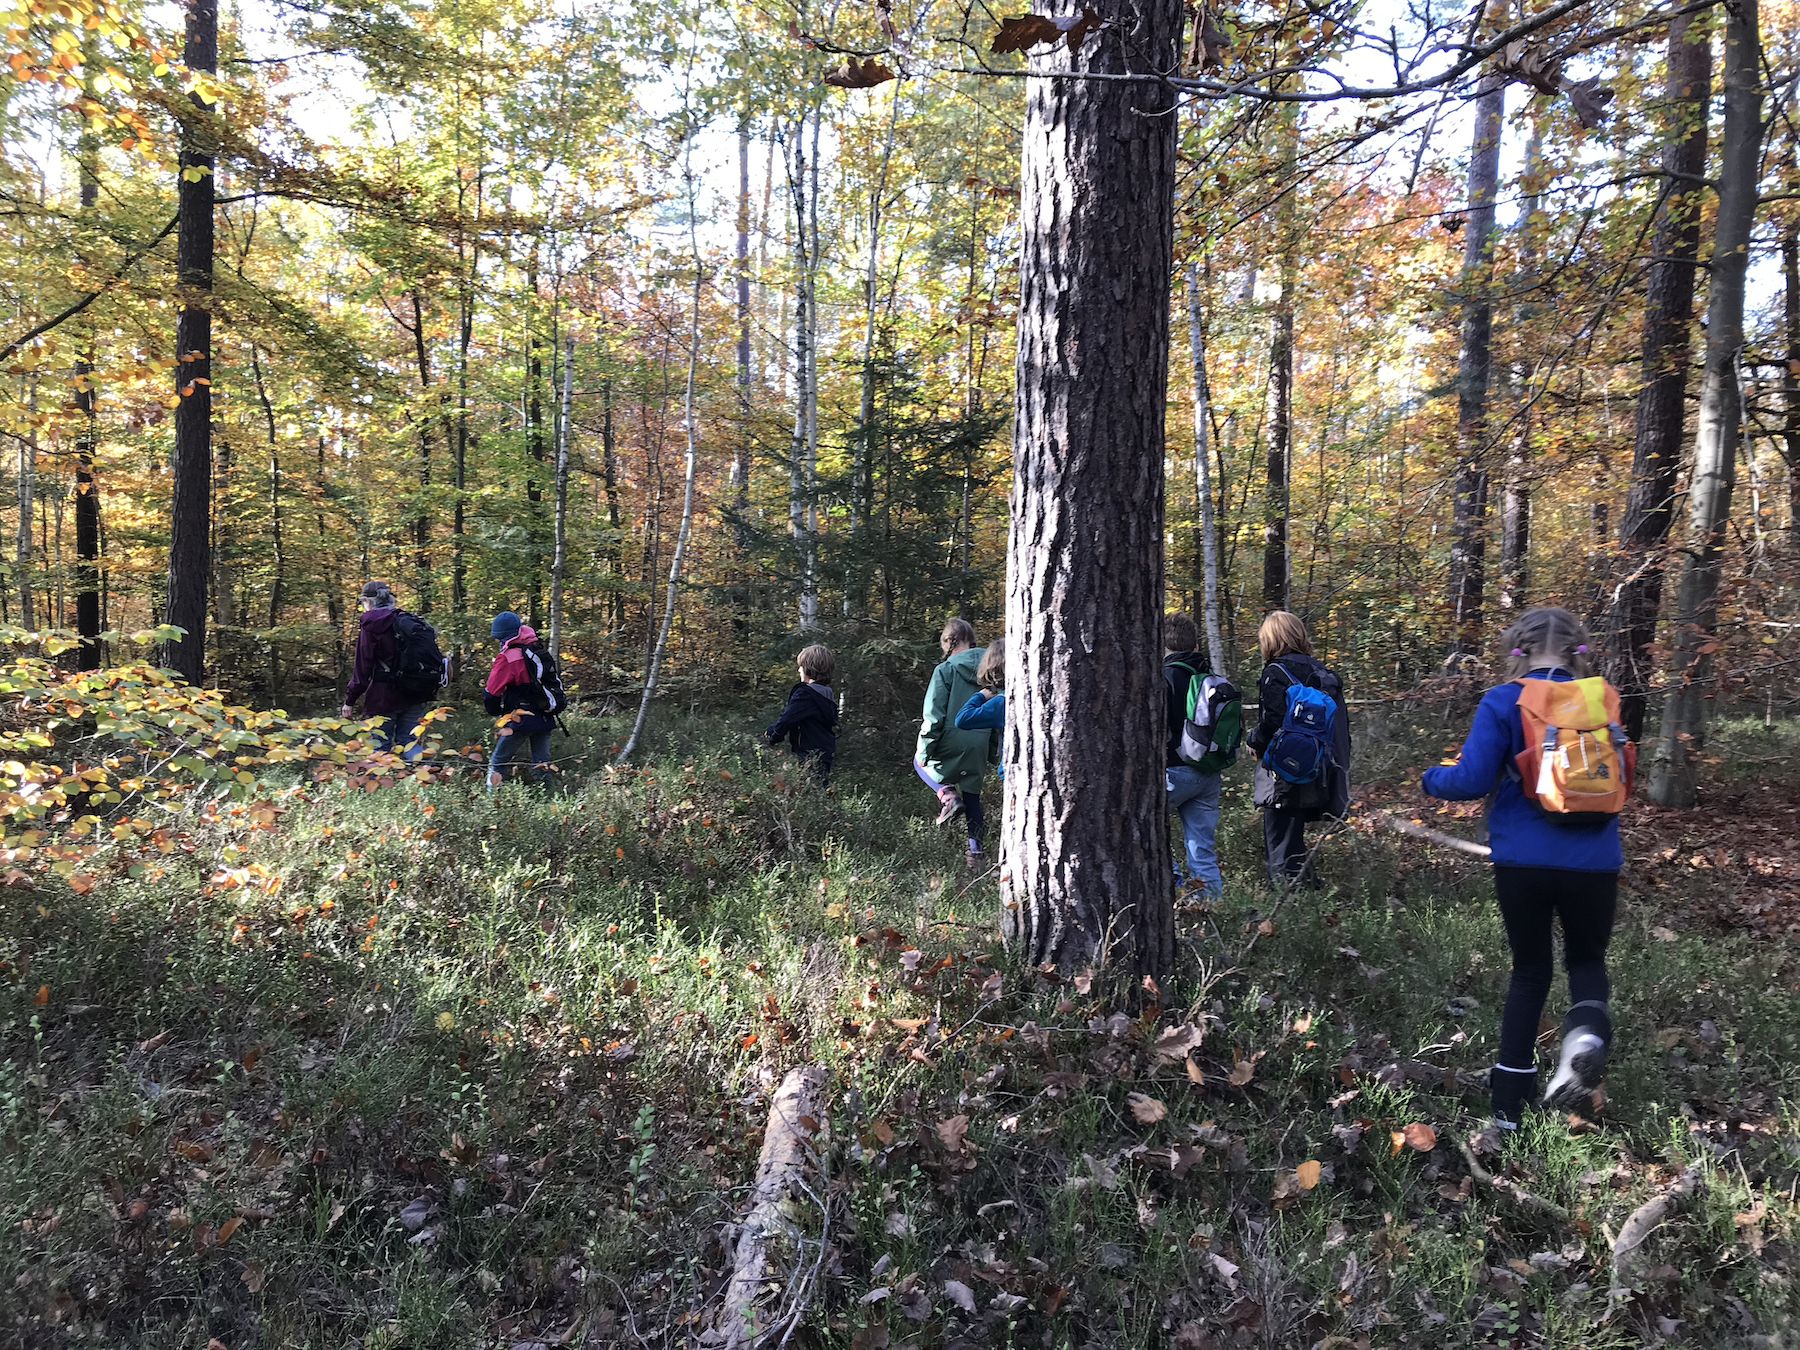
[[1585, 902]]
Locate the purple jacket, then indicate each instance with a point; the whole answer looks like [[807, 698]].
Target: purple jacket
[[375, 642]]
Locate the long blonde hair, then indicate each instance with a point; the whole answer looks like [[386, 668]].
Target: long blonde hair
[[1282, 634], [1552, 634], [991, 672]]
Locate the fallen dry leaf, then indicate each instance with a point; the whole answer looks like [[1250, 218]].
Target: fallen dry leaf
[[1308, 1174], [1146, 1110]]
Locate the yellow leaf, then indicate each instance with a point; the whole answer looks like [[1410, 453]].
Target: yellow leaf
[[1308, 1174]]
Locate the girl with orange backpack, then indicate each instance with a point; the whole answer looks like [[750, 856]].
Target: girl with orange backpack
[[1549, 754]]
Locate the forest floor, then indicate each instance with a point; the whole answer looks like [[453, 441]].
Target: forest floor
[[417, 1068]]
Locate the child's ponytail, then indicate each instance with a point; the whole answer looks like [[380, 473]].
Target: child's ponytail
[[1551, 633]]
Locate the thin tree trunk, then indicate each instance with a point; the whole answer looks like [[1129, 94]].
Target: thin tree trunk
[[609, 471], [1515, 497], [559, 559], [801, 510], [1468, 530], [1278, 468], [334, 611], [740, 464], [1790, 375], [421, 523], [1203, 488], [278, 552], [691, 426], [1661, 417], [28, 453], [88, 621], [534, 437], [1672, 772], [190, 516], [1087, 876]]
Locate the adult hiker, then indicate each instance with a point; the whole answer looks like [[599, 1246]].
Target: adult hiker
[[1205, 722], [1548, 752], [951, 762], [809, 720], [1302, 739], [397, 672], [524, 691]]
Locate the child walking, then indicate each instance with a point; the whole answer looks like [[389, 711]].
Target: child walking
[[524, 688], [951, 761], [809, 721], [1553, 800], [986, 708]]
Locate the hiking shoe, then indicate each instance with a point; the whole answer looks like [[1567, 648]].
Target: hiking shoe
[[1579, 1072], [950, 811], [976, 861]]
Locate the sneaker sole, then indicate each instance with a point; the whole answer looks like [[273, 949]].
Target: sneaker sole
[[1589, 1068]]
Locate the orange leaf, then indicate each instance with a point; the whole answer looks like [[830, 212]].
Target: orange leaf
[[1308, 1174], [1419, 1136], [43, 995], [229, 1227]]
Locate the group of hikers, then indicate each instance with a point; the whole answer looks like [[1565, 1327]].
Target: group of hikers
[[1546, 750], [399, 669]]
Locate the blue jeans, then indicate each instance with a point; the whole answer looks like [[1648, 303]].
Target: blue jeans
[[401, 729], [1195, 796], [508, 747]]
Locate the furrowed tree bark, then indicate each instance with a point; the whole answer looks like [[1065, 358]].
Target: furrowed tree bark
[[559, 558], [1203, 487], [190, 515], [1088, 875], [1661, 416], [1468, 529], [1672, 770]]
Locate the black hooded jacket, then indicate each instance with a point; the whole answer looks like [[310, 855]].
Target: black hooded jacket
[[809, 724], [1271, 693]]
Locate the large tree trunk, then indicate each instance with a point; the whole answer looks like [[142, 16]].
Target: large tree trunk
[[1468, 530], [1662, 396], [190, 516], [1672, 775], [1203, 488], [1087, 874]]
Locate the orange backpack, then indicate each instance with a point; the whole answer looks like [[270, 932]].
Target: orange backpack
[[1578, 763]]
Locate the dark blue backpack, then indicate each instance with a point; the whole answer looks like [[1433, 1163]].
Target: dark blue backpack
[[1300, 752]]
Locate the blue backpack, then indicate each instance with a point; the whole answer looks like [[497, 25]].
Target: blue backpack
[[1300, 752]]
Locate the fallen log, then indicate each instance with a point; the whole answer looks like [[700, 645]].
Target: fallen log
[[1644, 1220], [761, 1297], [1414, 830]]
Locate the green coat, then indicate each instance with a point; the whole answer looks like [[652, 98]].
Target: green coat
[[959, 758]]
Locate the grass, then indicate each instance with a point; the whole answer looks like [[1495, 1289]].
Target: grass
[[472, 1071]]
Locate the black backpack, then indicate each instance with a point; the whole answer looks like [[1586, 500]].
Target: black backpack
[[416, 670], [547, 697]]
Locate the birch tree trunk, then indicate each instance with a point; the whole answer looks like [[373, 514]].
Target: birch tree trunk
[[190, 515], [1088, 877], [1661, 417], [1672, 770], [802, 509], [1468, 530], [1203, 487], [559, 558]]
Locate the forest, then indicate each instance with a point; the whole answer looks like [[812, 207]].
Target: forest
[[675, 344]]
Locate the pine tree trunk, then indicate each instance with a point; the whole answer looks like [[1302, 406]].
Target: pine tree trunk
[[1790, 375], [1088, 876], [1468, 530], [190, 516], [559, 558], [1683, 736], [1203, 488], [1661, 416]]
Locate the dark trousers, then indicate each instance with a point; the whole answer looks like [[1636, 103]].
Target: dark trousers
[[973, 818], [1532, 900], [1284, 837]]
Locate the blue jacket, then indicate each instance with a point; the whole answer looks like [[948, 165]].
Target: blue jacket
[[985, 712], [1520, 833]]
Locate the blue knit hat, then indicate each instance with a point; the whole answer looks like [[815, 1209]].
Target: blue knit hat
[[507, 626]]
